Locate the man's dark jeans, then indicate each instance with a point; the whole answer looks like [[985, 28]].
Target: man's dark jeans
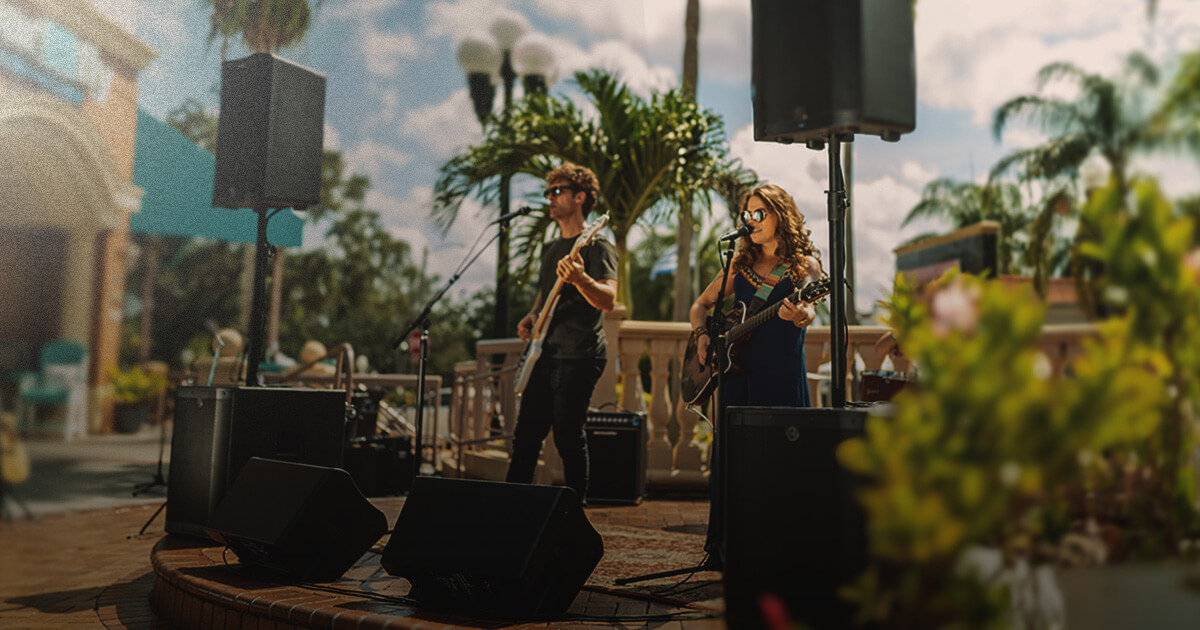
[[557, 396]]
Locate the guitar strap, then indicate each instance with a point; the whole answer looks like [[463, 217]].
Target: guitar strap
[[764, 289]]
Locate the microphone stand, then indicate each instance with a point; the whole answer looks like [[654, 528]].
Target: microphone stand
[[716, 352], [422, 321]]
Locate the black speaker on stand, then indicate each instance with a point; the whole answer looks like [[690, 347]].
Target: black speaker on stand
[[498, 549], [793, 526], [269, 155], [822, 67], [823, 71]]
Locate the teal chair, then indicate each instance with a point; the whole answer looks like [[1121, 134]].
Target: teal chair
[[62, 381]]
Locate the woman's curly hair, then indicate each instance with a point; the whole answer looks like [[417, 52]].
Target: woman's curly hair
[[793, 236]]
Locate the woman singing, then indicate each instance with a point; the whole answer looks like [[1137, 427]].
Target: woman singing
[[770, 263]]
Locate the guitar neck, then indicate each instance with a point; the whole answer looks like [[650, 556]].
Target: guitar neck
[[543, 319], [809, 293]]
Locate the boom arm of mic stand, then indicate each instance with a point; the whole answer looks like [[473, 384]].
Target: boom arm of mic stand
[[429, 306]]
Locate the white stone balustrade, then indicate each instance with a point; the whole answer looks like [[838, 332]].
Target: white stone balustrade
[[483, 406]]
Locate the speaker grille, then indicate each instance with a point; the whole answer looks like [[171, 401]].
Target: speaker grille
[[794, 527], [270, 134]]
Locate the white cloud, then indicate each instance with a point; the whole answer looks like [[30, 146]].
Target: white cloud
[[619, 58], [445, 128], [1178, 176], [975, 55], [918, 174], [460, 19], [408, 219], [333, 139], [374, 160], [386, 51], [354, 9], [1020, 137]]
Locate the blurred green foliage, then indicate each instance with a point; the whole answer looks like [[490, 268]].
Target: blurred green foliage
[[991, 449]]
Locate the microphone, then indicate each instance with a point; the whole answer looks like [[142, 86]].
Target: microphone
[[519, 212], [736, 234]]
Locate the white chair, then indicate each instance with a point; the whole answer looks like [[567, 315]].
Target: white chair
[[62, 381]]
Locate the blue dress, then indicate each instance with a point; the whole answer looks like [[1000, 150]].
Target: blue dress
[[770, 368]]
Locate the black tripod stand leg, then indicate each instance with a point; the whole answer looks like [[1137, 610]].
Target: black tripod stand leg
[[152, 517], [660, 574]]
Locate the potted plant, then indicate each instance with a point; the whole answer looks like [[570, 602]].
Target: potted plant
[[132, 391]]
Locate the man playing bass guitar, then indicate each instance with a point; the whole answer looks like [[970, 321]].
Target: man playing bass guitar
[[573, 352], [771, 262]]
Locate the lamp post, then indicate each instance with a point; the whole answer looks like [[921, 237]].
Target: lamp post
[[484, 62]]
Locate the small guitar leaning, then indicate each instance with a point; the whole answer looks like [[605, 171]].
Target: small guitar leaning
[[698, 381], [534, 349]]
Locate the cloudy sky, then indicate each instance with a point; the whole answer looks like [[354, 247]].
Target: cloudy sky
[[397, 104]]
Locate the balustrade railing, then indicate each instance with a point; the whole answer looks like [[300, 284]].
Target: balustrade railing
[[484, 405]]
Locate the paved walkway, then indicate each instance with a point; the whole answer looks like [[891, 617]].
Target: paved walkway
[[82, 561]]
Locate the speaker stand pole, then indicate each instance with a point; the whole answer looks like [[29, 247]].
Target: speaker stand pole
[[836, 198], [258, 304]]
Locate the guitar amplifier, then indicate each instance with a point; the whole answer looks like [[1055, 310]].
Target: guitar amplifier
[[616, 456]]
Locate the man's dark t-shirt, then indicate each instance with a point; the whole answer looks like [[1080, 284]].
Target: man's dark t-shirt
[[577, 329]]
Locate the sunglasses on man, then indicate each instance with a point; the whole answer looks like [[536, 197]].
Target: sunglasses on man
[[555, 191], [757, 216]]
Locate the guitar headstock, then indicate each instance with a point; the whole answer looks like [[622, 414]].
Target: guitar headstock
[[593, 229], [816, 290]]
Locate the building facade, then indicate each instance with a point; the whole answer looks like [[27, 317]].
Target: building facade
[[68, 121]]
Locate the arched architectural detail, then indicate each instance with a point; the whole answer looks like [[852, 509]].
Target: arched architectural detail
[[57, 170]]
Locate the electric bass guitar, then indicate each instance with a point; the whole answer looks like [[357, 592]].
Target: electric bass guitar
[[534, 349], [697, 381]]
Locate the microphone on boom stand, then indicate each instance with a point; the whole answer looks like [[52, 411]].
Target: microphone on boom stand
[[736, 234], [519, 212]]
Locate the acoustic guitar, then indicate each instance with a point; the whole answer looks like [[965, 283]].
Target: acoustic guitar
[[697, 381], [533, 349]]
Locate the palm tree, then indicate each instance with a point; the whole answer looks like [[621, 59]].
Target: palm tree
[[964, 203], [265, 26], [1106, 117], [643, 152]]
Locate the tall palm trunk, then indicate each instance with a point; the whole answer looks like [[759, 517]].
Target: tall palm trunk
[[683, 233]]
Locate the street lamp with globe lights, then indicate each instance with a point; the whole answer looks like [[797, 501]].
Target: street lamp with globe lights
[[484, 62]]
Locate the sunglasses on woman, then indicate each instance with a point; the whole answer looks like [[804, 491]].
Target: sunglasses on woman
[[555, 191], [757, 216]]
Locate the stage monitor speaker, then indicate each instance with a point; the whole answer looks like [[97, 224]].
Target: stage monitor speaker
[[297, 521], [270, 134], [218, 429], [794, 527], [832, 66], [616, 457], [492, 548]]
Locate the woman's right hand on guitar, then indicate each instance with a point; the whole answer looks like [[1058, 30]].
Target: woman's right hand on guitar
[[525, 327], [702, 347]]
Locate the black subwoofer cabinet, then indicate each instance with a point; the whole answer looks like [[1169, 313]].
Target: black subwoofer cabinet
[[218, 429]]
